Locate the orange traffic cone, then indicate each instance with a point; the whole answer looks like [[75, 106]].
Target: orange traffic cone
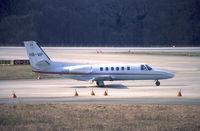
[[106, 93], [76, 93], [13, 95], [179, 93], [92, 93], [39, 77]]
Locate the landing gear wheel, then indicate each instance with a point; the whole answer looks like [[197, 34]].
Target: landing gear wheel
[[100, 83], [157, 83]]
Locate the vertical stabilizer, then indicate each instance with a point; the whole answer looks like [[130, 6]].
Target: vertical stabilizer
[[36, 55]]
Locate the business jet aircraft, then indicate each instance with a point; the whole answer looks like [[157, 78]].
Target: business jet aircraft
[[41, 63]]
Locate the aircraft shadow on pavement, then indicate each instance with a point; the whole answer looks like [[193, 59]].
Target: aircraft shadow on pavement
[[114, 86], [79, 87]]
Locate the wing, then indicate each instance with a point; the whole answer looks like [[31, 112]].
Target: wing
[[102, 78]]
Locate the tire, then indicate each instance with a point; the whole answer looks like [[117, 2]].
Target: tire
[[157, 83]]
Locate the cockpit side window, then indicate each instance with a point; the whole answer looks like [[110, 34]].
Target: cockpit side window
[[148, 67], [143, 67]]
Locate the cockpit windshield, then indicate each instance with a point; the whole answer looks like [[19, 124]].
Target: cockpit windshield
[[148, 67]]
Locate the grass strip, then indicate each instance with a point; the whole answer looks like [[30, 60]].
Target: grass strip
[[12, 72], [86, 117]]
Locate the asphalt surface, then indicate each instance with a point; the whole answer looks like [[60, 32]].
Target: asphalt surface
[[185, 68]]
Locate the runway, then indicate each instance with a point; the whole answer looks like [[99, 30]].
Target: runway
[[185, 68], [20, 53]]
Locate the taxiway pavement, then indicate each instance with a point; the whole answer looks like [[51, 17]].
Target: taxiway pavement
[[185, 68]]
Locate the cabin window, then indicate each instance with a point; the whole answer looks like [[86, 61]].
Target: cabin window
[[112, 68], [117, 68], [128, 68], [122, 68], [101, 68], [106, 68]]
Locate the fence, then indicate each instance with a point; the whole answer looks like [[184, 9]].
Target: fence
[[14, 62]]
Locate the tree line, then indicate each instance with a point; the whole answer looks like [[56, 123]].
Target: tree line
[[100, 22]]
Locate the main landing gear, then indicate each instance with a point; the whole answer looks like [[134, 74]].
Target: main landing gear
[[157, 83], [100, 83]]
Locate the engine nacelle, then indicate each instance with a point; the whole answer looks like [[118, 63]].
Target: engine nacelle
[[78, 69]]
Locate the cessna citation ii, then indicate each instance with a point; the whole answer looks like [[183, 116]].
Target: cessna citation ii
[[41, 63]]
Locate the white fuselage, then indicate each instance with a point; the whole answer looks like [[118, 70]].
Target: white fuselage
[[107, 72]]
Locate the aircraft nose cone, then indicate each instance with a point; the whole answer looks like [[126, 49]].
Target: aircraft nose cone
[[170, 75]]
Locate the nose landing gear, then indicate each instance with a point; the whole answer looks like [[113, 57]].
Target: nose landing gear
[[157, 83]]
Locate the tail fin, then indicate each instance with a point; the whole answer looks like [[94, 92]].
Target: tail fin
[[36, 55]]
